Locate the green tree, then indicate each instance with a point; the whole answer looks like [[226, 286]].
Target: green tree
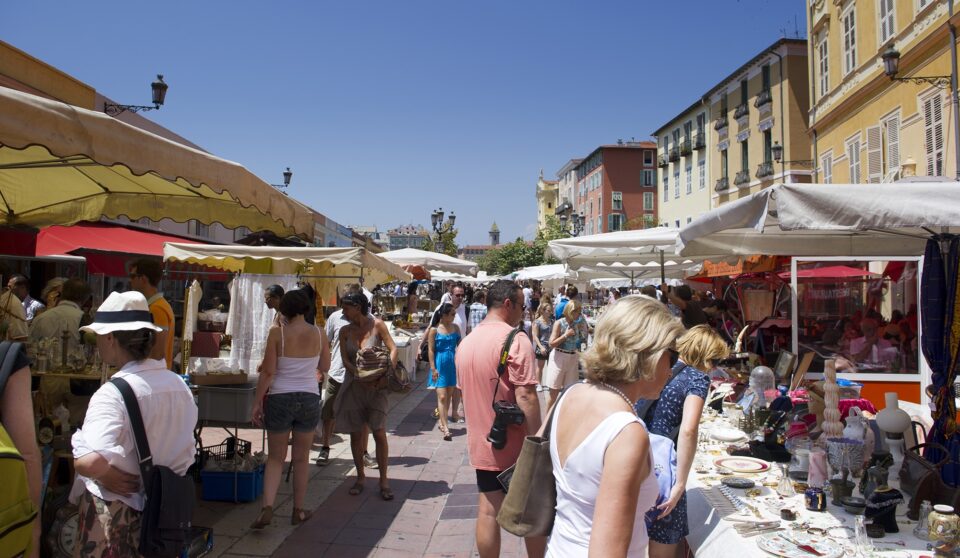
[[520, 253], [449, 245]]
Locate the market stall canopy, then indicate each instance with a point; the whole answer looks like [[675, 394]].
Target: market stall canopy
[[432, 261], [544, 273], [481, 277], [830, 272], [672, 269], [827, 220], [61, 164], [624, 247], [339, 262]]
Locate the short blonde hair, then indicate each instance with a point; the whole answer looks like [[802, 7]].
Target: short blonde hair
[[631, 336], [570, 308], [700, 345], [545, 309]]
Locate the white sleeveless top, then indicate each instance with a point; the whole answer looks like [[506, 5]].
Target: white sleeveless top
[[578, 483], [295, 374]]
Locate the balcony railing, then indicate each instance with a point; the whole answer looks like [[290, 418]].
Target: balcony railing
[[674, 153], [741, 111], [763, 98], [743, 177], [662, 160], [720, 123], [700, 140], [765, 169], [685, 147], [723, 184]]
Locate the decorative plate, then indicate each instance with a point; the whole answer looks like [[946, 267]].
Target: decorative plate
[[777, 544], [738, 482], [739, 464], [727, 434]]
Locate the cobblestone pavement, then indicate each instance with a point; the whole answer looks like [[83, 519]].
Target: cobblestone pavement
[[433, 513]]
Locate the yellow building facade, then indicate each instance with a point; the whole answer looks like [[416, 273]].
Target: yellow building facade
[[547, 195], [761, 106], [865, 127], [684, 158]]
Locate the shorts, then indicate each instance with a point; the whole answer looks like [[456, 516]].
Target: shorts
[[333, 388], [298, 411], [487, 481], [561, 370]]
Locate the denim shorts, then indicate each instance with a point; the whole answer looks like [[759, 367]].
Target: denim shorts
[[298, 411]]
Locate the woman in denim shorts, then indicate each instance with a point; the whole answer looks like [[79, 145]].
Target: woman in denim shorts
[[288, 399]]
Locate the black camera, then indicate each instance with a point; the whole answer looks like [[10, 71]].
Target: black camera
[[506, 413]]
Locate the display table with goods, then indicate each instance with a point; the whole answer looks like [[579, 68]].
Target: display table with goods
[[761, 508]]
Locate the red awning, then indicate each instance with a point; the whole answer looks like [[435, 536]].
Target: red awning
[[830, 272], [106, 247]]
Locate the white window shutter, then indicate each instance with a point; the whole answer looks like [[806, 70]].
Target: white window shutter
[[933, 134], [893, 144], [874, 155]]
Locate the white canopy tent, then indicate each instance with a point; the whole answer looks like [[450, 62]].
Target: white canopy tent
[[544, 273], [431, 261], [481, 277], [826, 220], [621, 247]]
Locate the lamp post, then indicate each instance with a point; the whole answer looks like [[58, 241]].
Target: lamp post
[[440, 226], [891, 66], [777, 152], [159, 93], [565, 214], [287, 175]]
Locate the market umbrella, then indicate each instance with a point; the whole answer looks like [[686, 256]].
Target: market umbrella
[[432, 261], [61, 164], [940, 306]]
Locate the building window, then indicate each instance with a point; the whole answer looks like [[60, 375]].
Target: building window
[[723, 104], [891, 136], [701, 125], [702, 173], [616, 201], [724, 168], [853, 159], [687, 131], [689, 219], [677, 223], [743, 92], [647, 157], [826, 164], [648, 178], [768, 146], [921, 4], [614, 222], [676, 184], [823, 54], [849, 22], [765, 78], [887, 20], [666, 188], [932, 110], [648, 201], [689, 179], [744, 156]]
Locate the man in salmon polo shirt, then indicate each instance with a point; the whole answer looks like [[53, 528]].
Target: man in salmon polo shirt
[[477, 359]]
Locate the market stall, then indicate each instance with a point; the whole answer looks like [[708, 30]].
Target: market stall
[[431, 261]]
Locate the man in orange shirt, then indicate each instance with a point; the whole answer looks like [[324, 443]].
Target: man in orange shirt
[[145, 275]]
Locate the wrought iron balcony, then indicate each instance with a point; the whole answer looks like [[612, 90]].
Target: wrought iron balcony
[[763, 98], [685, 147], [700, 140], [741, 111], [722, 185], [742, 177], [662, 160], [674, 153], [765, 169], [720, 123]]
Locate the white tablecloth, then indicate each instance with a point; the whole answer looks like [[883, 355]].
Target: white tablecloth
[[407, 348], [711, 536]]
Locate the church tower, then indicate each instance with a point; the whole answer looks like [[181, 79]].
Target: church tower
[[494, 234]]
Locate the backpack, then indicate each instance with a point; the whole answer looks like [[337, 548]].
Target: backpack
[[17, 511]]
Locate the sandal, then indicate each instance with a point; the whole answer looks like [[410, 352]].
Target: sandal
[[446, 435], [386, 494], [299, 516], [263, 520], [356, 489]]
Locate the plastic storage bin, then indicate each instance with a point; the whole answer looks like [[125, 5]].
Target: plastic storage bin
[[219, 485], [226, 404]]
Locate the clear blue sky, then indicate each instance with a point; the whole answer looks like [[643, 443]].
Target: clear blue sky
[[385, 110]]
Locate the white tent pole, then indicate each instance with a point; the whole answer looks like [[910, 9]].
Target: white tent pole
[[794, 307]]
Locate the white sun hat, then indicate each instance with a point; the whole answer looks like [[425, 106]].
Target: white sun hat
[[122, 312]]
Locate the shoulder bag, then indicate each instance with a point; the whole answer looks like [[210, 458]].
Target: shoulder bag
[[530, 505], [168, 505], [372, 363]]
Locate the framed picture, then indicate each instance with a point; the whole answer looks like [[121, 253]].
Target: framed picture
[[783, 369]]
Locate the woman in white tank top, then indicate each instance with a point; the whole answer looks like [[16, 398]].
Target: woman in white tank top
[[600, 450], [297, 356]]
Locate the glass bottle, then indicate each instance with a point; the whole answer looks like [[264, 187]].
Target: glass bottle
[[860, 539], [922, 530], [785, 487]]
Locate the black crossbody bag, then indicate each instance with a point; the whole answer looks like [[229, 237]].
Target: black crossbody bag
[[168, 507]]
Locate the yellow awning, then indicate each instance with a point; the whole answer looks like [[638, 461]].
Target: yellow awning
[[339, 262], [60, 164]]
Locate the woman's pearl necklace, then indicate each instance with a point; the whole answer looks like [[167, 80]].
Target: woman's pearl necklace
[[621, 394]]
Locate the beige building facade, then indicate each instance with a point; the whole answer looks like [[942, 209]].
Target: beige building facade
[[864, 126], [683, 160], [758, 108], [547, 199]]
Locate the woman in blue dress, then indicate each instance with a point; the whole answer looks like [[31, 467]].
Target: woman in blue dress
[[676, 415], [442, 340]]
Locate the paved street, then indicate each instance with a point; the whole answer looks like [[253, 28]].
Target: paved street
[[433, 513]]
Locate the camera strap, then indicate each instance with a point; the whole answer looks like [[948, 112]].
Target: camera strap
[[504, 355]]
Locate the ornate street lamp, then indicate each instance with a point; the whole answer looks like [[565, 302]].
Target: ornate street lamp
[[159, 93], [565, 214], [287, 175], [440, 226], [891, 66]]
